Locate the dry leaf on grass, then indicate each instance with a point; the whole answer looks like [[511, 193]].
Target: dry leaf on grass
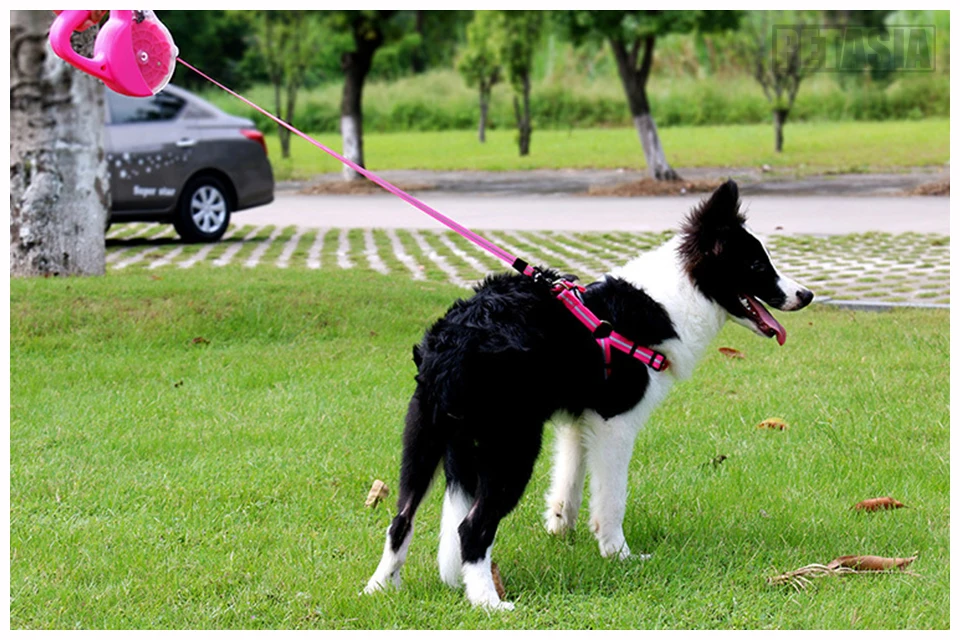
[[200, 340], [378, 492], [716, 461], [843, 565], [870, 563], [731, 353], [777, 424], [876, 504], [497, 582]]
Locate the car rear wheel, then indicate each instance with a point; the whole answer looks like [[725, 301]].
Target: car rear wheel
[[204, 213]]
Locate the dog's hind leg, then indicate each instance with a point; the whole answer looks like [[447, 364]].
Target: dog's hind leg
[[423, 447], [502, 476], [566, 486], [456, 505]]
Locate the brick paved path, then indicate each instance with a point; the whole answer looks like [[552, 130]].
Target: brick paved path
[[902, 268]]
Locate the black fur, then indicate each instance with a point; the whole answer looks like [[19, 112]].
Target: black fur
[[493, 370]]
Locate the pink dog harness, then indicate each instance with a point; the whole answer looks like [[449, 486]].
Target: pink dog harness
[[569, 293]]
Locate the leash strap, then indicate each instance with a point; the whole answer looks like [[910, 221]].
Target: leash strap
[[567, 292], [403, 195]]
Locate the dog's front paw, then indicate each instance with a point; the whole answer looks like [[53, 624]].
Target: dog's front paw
[[378, 583], [560, 516], [614, 549], [556, 520], [493, 604]]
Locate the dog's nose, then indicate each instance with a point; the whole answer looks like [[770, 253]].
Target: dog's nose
[[805, 296]]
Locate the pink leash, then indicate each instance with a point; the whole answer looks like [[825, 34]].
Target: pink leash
[[567, 292]]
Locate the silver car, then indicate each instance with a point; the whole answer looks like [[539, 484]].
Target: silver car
[[176, 158]]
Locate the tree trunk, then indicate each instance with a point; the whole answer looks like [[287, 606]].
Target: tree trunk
[[351, 120], [59, 186], [779, 119], [484, 110], [524, 128], [634, 81], [657, 163], [291, 106], [418, 61], [283, 133], [355, 65]]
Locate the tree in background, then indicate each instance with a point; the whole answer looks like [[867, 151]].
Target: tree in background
[[632, 36], [779, 62], [517, 37], [440, 32], [59, 186], [479, 62], [288, 41], [369, 31], [216, 43]]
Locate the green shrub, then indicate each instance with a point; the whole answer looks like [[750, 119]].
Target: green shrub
[[439, 101]]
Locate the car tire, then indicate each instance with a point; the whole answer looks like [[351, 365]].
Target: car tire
[[204, 211]]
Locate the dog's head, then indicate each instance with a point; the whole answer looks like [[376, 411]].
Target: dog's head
[[730, 265]]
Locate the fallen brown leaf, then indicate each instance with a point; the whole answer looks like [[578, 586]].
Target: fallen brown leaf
[[777, 424], [843, 565], [377, 493], [200, 340], [731, 353], [875, 504], [497, 582], [870, 563]]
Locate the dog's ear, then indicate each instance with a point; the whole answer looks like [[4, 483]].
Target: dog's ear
[[710, 222]]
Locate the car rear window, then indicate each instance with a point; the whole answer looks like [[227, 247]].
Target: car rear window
[[127, 110]]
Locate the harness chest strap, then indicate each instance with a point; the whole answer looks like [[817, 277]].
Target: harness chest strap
[[569, 294]]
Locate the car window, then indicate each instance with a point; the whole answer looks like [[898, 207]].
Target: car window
[[127, 110]]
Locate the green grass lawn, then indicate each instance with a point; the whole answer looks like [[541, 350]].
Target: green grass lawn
[[809, 147], [193, 450]]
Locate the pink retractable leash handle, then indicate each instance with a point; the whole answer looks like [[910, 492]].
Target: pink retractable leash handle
[[133, 54]]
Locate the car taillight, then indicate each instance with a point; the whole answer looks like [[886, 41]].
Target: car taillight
[[256, 136]]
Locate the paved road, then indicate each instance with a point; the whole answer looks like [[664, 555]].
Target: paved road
[[789, 215]]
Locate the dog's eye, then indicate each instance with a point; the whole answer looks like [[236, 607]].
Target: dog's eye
[[758, 267]]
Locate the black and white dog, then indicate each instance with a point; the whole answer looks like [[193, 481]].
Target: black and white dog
[[498, 366]]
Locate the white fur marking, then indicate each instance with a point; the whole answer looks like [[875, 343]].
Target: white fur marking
[[566, 486], [609, 449], [791, 288], [697, 320], [481, 592], [456, 505], [388, 571]]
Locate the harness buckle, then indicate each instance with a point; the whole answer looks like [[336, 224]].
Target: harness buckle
[[603, 330]]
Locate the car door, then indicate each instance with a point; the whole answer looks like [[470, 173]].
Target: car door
[[148, 152]]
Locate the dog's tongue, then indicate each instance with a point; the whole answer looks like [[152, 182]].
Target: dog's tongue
[[768, 319]]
